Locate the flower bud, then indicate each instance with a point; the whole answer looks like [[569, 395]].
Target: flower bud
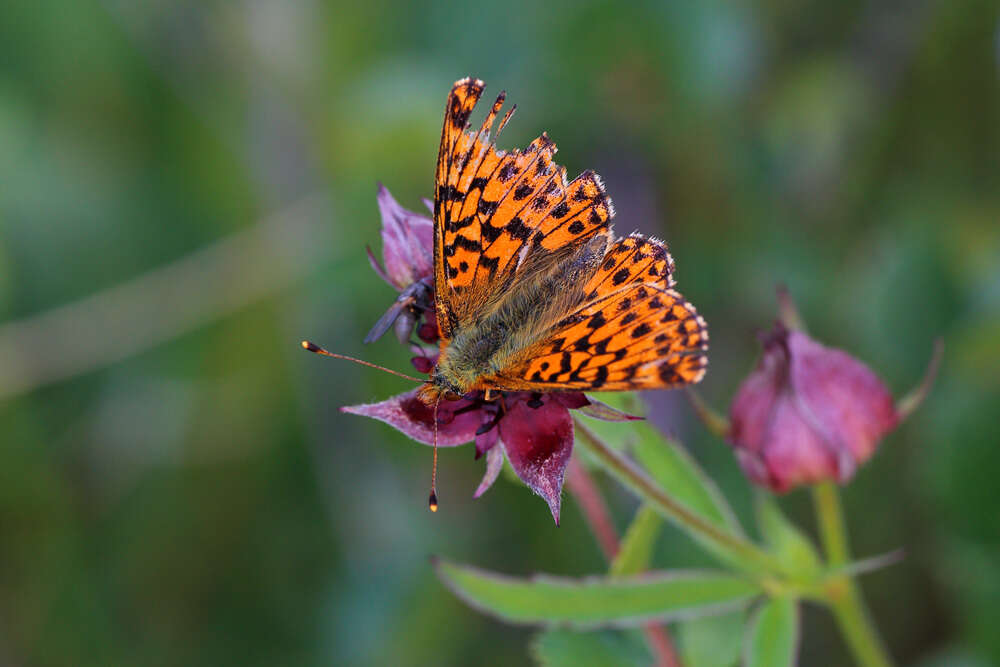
[[807, 413]]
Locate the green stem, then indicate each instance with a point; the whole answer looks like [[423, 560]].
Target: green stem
[[842, 594], [626, 472], [830, 518]]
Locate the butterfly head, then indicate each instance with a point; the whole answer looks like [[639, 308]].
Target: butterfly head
[[439, 387]]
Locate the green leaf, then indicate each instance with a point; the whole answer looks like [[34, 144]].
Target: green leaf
[[636, 549], [773, 635], [712, 641], [604, 648], [788, 543], [596, 601], [668, 463]]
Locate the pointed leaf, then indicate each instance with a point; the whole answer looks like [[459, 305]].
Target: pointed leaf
[[674, 469], [670, 465], [773, 635], [712, 641], [606, 648], [636, 549], [596, 601]]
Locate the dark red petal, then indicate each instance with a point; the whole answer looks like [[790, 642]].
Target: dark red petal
[[410, 415], [569, 399], [407, 242], [843, 398], [494, 463], [539, 442]]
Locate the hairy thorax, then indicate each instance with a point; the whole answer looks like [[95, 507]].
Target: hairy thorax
[[506, 332], [474, 359]]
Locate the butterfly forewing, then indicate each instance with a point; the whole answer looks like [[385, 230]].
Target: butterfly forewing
[[527, 278], [499, 213]]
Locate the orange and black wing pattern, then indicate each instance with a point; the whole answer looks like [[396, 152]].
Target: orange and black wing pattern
[[497, 211], [633, 330]]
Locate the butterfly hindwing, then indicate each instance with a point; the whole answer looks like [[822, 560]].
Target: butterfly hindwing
[[632, 331], [498, 214]]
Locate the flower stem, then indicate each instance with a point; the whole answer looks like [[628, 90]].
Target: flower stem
[[713, 421], [830, 518], [626, 472], [595, 511], [842, 592]]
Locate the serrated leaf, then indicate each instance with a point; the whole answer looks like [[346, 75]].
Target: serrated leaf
[[603, 648], [636, 549], [773, 635], [786, 541], [595, 602], [712, 641]]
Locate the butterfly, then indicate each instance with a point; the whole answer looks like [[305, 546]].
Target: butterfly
[[532, 291]]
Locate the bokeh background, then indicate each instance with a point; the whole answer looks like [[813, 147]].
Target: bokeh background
[[187, 189]]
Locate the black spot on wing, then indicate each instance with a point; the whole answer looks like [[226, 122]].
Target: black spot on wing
[[489, 232], [517, 229], [597, 321], [490, 263], [464, 243], [507, 172], [641, 330], [522, 192], [564, 363]]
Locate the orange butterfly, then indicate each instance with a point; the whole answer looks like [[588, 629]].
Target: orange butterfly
[[532, 292]]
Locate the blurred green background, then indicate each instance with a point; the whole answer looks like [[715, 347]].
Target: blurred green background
[[186, 191]]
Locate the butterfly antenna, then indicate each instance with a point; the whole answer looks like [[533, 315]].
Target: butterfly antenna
[[432, 501], [312, 347]]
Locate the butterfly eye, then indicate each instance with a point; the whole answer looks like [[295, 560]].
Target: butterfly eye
[[451, 396]]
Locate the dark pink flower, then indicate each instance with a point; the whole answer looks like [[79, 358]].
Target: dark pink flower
[[535, 431], [807, 413], [407, 243], [408, 253]]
